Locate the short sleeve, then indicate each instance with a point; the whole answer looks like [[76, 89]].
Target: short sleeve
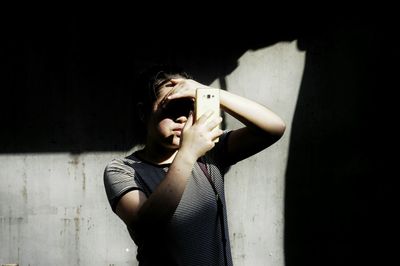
[[119, 179], [218, 154]]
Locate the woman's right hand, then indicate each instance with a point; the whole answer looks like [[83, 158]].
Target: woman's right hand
[[198, 138]]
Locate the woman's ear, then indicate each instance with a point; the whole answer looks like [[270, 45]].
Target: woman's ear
[[140, 110]]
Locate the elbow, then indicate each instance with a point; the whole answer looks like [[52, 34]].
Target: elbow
[[271, 133], [277, 129], [280, 129]]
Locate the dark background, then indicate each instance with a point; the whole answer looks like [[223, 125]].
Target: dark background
[[67, 86], [68, 80]]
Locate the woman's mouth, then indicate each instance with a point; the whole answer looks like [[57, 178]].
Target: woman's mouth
[[177, 131]]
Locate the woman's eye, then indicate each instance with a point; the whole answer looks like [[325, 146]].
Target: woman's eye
[[178, 108]]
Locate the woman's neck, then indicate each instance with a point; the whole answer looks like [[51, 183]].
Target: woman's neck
[[157, 154]]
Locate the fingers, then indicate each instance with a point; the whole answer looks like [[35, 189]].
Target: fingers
[[205, 117], [176, 81], [216, 133], [211, 122], [180, 93], [214, 123], [210, 116], [189, 121], [175, 95], [171, 95], [174, 92], [165, 99], [183, 88]]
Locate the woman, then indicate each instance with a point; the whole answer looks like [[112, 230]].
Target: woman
[[170, 194]]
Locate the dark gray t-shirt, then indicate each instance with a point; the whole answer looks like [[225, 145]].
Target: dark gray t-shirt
[[193, 236]]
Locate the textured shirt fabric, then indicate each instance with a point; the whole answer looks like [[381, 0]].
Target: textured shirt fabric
[[193, 236]]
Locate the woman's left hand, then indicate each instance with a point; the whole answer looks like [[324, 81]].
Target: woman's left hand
[[183, 88]]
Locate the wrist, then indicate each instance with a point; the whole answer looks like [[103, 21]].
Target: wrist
[[186, 156]]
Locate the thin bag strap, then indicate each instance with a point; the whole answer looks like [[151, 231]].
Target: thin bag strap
[[207, 174], [220, 206]]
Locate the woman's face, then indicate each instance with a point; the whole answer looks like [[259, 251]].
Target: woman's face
[[166, 122]]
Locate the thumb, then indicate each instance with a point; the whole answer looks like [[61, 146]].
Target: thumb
[[189, 121]]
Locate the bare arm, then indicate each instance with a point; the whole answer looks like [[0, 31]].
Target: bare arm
[[135, 209], [262, 126], [140, 212]]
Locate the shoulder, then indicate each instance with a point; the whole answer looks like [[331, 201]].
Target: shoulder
[[115, 164], [120, 178], [120, 165], [123, 162]]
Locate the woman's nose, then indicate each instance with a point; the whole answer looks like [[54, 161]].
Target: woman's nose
[[181, 119]]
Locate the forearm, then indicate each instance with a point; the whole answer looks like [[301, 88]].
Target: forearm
[[253, 115], [162, 203]]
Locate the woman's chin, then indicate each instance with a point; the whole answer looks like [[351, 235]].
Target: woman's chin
[[176, 141], [173, 143]]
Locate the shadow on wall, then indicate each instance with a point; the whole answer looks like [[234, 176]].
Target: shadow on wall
[[67, 85], [339, 183]]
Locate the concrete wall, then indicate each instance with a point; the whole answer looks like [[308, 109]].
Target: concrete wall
[[53, 208], [255, 187]]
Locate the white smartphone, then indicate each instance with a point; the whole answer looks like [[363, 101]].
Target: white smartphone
[[207, 100]]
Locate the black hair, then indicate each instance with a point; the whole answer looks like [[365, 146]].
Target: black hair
[[150, 80], [146, 87]]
